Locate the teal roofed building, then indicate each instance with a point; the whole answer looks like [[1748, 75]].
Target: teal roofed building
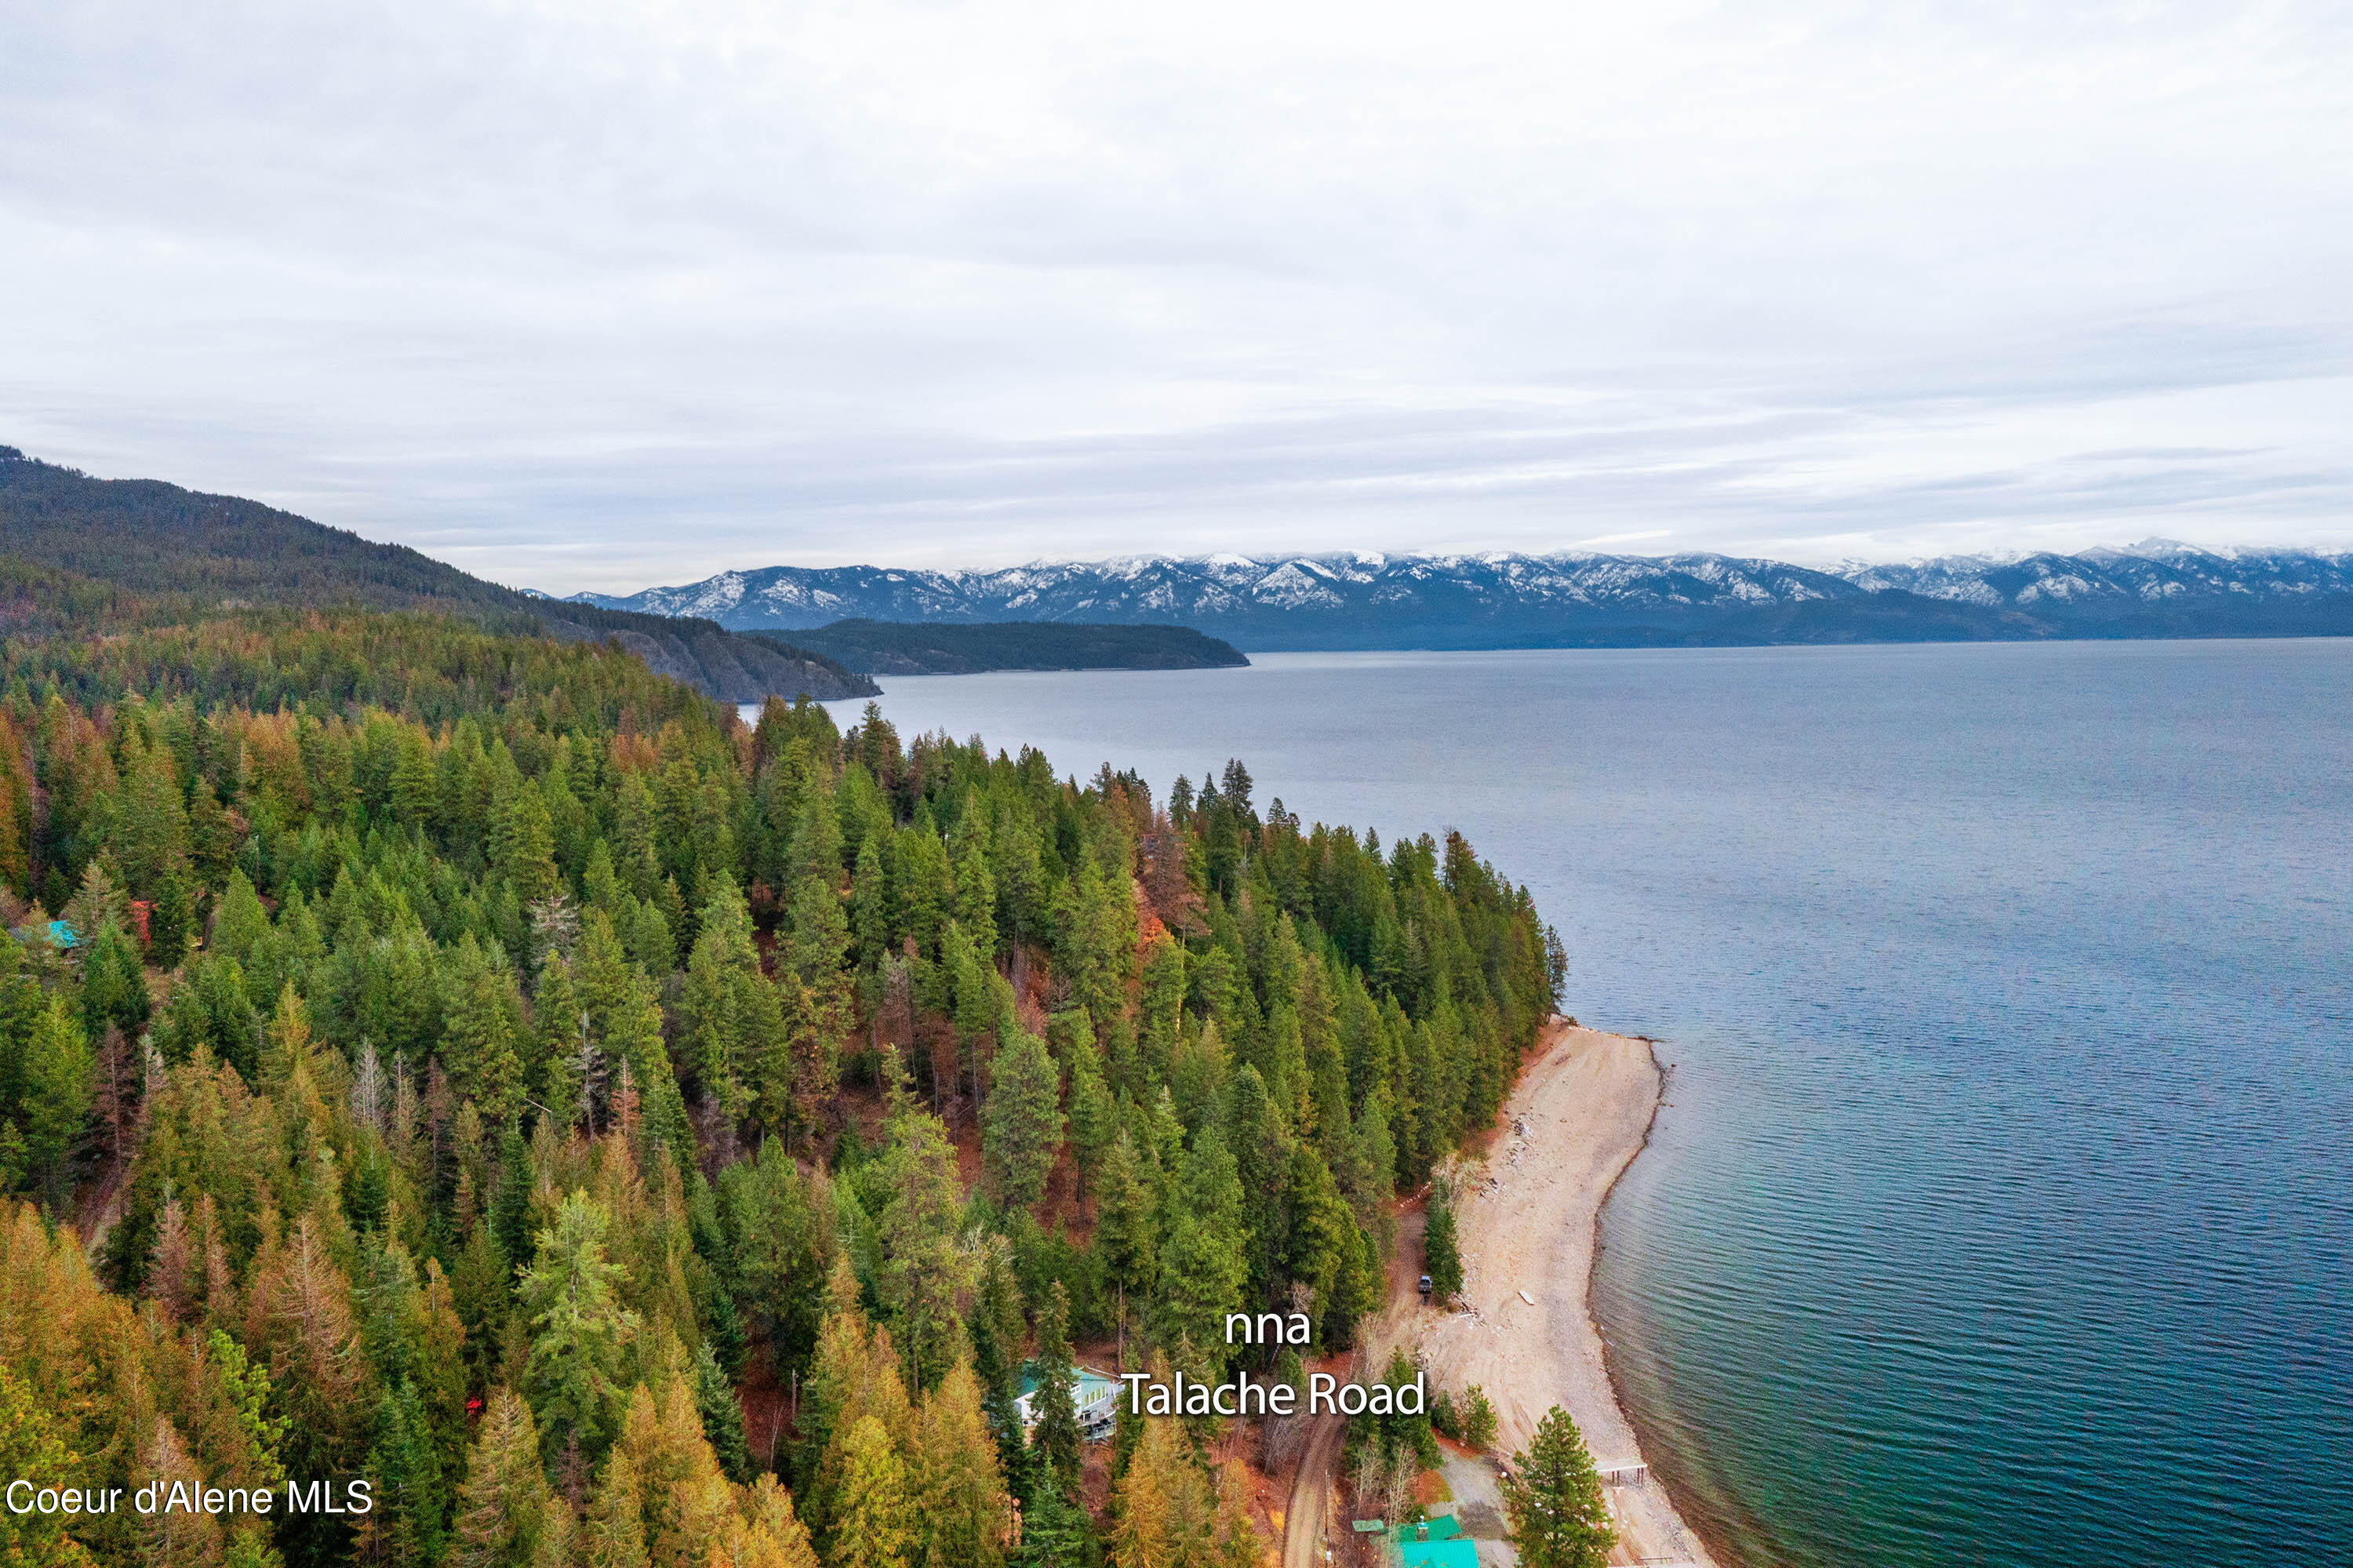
[[1094, 1395], [1435, 1543]]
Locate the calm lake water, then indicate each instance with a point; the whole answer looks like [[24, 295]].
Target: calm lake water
[[2002, 1206]]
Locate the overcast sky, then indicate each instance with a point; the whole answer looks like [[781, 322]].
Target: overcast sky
[[604, 295]]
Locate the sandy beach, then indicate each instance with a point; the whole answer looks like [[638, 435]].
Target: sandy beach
[[1526, 1217]]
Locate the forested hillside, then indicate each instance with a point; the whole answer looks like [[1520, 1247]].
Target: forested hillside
[[947, 647], [180, 553], [476, 1065]]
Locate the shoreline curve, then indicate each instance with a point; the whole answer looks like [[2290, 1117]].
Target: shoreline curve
[[1528, 1220]]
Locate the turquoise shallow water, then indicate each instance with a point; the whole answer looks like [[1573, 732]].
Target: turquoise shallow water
[[2002, 1210]]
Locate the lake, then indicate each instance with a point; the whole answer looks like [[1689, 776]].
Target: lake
[[2001, 1211]]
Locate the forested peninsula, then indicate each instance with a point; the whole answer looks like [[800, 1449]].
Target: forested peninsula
[[954, 648], [467, 1062]]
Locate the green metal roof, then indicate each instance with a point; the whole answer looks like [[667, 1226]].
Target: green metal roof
[[1437, 1542], [1459, 1551]]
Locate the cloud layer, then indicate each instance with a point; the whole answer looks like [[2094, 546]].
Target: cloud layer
[[598, 296]]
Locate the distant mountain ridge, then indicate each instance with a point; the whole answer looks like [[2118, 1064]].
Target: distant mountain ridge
[[2158, 588], [213, 553]]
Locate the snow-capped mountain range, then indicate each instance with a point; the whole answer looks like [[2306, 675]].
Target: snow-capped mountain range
[[1365, 600]]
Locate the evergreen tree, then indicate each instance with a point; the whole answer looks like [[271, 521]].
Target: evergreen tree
[[1553, 1497], [1094, 1119], [33, 1442], [240, 924], [817, 938], [1054, 1533], [510, 1206], [722, 1417], [484, 1036], [405, 1526], [579, 1331], [726, 1029], [1478, 1419], [523, 843], [113, 984], [923, 1269], [1127, 1229], [997, 1330], [1022, 1131], [1054, 1399], [55, 1095], [356, 1089], [1442, 1255], [1204, 1263], [870, 898]]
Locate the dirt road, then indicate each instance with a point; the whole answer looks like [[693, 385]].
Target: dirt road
[[1310, 1495]]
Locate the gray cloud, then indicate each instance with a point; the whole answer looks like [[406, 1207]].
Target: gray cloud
[[601, 295]]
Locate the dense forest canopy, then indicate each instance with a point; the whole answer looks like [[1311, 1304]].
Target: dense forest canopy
[[622, 1134]]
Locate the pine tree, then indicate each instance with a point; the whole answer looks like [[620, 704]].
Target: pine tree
[[721, 1041], [1053, 1400], [240, 924], [625, 1020], [684, 1504], [869, 899], [817, 937], [172, 921], [1204, 1261], [923, 1269], [523, 843], [1094, 1118], [976, 896], [510, 1223], [579, 1331], [1126, 1231], [113, 984], [1054, 1533], [33, 1436], [405, 1526], [57, 1074], [854, 1374], [1553, 1497], [553, 1072], [722, 1417], [1022, 1131], [1150, 1504], [1441, 1254], [1478, 1419], [997, 1332], [484, 1036]]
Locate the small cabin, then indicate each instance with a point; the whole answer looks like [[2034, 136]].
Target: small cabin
[[1093, 1394]]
